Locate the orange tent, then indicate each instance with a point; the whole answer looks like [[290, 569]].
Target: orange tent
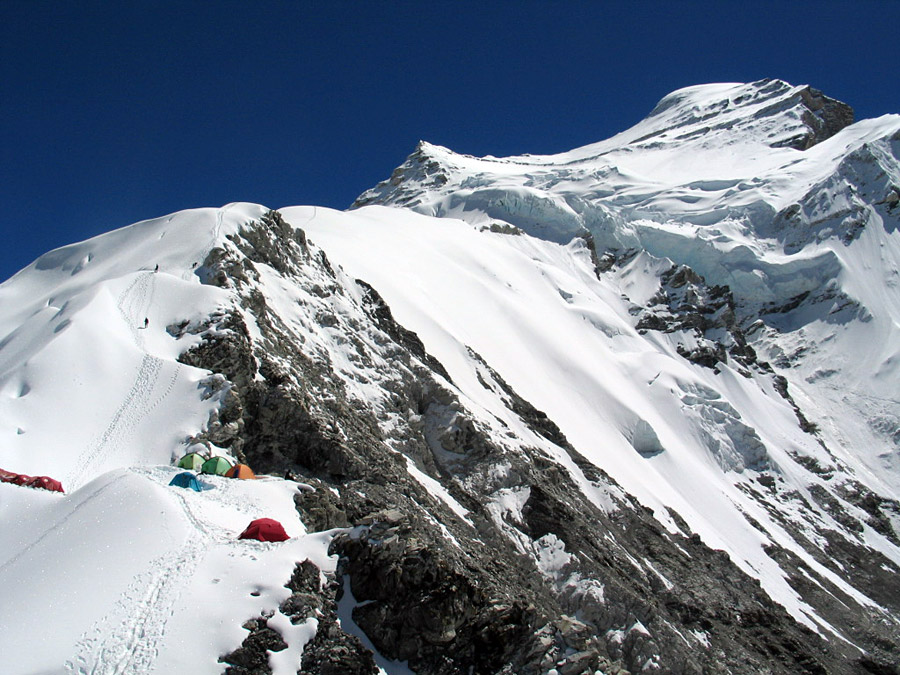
[[240, 471]]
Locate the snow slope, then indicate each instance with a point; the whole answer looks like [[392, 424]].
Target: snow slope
[[82, 379], [121, 574], [765, 188], [671, 433], [99, 401]]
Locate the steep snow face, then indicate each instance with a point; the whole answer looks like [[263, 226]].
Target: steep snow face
[[676, 435], [764, 188]]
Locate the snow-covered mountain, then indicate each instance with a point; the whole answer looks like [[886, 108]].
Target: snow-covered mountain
[[632, 407], [763, 188]]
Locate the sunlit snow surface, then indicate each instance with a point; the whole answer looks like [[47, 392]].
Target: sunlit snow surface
[[86, 387], [706, 181], [129, 575], [127, 567]]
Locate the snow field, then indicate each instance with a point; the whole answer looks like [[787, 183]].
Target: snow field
[[671, 434], [117, 575], [127, 570]]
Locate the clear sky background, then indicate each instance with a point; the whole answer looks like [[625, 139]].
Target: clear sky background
[[113, 112]]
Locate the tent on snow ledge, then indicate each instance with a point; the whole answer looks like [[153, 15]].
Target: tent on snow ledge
[[265, 529], [187, 480], [24, 480], [216, 465], [240, 471], [45, 482], [192, 460]]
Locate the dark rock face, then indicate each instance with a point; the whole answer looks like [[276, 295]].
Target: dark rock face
[[424, 609], [825, 117], [509, 567], [685, 303], [251, 657], [442, 605], [332, 651]]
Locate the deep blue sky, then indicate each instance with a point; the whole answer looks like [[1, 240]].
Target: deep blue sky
[[112, 112]]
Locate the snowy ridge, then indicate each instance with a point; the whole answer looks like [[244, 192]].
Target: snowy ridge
[[77, 314], [89, 391]]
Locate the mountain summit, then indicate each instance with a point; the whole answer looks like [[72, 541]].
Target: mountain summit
[[629, 408], [772, 111]]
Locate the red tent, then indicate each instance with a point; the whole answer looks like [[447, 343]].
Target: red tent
[[264, 529], [30, 481], [46, 483]]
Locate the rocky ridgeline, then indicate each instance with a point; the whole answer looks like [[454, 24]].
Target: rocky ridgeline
[[818, 117], [405, 184], [507, 566]]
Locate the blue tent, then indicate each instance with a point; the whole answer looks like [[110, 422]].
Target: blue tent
[[186, 480]]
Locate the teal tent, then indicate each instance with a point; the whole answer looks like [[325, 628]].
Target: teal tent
[[186, 480]]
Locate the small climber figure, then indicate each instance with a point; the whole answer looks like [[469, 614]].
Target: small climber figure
[[146, 322], [156, 269]]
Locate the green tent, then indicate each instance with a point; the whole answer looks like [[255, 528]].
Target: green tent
[[216, 465], [192, 461]]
